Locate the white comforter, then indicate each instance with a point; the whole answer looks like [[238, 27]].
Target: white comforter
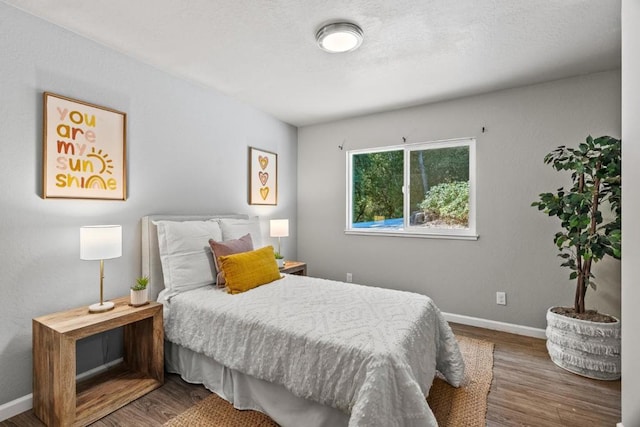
[[370, 352]]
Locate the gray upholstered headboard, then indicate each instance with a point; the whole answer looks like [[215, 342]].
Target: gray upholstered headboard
[[151, 265]]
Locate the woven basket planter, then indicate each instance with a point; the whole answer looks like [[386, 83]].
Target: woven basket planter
[[590, 349]]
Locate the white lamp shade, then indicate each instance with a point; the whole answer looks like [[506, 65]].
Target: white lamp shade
[[100, 242], [279, 228]]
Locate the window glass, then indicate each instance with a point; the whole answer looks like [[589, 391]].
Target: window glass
[[439, 183], [424, 189], [377, 195]]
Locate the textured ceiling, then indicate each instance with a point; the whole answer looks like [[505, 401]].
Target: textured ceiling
[[414, 51]]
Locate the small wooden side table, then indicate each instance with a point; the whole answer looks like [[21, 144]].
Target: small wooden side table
[[294, 267], [57, 399]]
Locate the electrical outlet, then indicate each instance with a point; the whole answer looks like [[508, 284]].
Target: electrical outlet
[[501, 298], [349, 277]]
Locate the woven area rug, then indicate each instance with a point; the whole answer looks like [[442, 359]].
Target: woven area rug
[[464, 406]]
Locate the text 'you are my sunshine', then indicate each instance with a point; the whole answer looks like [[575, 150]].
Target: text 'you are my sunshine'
[[85, 165]]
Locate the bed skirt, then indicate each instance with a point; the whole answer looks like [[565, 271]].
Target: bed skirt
[[247, 392]]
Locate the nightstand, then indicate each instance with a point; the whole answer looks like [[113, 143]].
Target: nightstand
[[294, 267], [57, 399]]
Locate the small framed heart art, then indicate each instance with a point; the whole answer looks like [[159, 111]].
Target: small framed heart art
[[263, 177]]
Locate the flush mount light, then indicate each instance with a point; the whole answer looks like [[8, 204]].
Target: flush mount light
[[339, 37]]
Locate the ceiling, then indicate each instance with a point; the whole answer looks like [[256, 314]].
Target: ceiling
[[264, 53]]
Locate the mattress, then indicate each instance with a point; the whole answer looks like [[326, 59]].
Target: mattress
[[369, 352]]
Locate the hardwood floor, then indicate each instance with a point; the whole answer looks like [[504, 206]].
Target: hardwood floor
[[527, 390]]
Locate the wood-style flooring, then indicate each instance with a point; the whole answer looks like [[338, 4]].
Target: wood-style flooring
[[527, 390]]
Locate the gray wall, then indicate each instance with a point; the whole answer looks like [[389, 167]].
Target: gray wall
[[631, 212], [515, 252], [187, 153]]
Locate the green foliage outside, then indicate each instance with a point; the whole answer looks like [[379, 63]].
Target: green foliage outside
[[378, 179], [448, 202], [436, 166], [377, 185], [595, 167]]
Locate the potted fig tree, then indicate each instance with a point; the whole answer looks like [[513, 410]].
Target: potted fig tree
[[580, 340]]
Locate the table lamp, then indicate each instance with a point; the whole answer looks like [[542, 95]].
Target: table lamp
[[279, 228], [100, 242]]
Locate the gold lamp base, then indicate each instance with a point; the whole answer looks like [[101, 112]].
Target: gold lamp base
[[100, 307]]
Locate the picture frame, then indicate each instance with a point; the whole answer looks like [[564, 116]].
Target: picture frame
[[263, 177], [84, 150]]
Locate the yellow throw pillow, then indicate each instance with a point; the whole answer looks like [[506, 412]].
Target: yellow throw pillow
[[248, 270]]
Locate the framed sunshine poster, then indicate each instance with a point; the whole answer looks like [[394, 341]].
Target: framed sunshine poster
[[84, 150], [263, 177]]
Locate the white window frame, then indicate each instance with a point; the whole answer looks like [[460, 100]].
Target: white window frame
[[408, 230]]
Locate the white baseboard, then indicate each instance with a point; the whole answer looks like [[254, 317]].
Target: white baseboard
[[24, 403], [15, 407], [98, 370], [495, 325]]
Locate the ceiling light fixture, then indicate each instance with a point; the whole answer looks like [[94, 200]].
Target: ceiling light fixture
[[339, 37]]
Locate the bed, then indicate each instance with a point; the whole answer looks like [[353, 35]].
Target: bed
[[306, 351]]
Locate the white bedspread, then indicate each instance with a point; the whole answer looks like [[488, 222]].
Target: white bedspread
[[368, 351]]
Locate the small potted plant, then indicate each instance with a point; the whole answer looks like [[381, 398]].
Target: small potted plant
[[279, 259], [579, 340], [139, 292]]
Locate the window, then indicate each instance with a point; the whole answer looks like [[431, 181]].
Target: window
[[425, 189]]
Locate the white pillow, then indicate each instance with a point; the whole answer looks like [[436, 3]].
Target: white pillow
[[185, 254], [235, 228]]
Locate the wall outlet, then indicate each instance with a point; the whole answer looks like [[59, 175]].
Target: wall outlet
[[349, 277], [501, 298]]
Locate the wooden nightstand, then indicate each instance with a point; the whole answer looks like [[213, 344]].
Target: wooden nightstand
[[294, 267], [57, 399]]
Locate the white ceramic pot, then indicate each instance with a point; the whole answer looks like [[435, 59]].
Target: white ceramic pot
[[139, 297], [280, 262], [590, 349]]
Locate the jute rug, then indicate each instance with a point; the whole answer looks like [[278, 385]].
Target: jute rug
[[454, 407], [467, 405]]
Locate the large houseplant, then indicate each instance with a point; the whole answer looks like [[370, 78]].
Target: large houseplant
[[586, 238]]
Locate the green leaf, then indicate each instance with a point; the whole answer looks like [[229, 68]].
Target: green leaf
[[594, 160]]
